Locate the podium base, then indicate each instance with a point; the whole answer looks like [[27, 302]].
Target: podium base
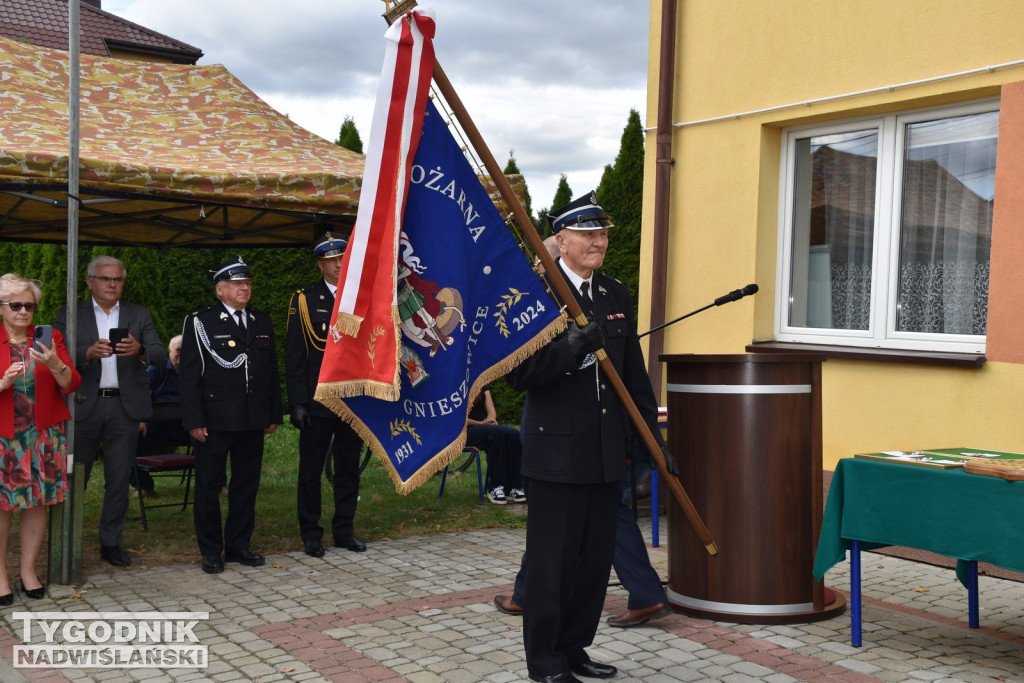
[[756, 614]]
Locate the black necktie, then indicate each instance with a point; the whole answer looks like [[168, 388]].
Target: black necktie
[[240, 318], [588, 303]]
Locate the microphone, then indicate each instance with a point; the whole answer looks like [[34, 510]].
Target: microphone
[[734, 295]]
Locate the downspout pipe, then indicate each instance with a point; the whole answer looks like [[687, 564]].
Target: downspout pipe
[[662, 189]]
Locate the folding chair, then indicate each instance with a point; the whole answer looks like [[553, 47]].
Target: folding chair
[[474, 454], [165, 465]]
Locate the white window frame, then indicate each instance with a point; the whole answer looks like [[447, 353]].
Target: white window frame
[[881, 332]]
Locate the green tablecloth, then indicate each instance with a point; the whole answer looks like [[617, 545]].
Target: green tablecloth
[[949, 512]]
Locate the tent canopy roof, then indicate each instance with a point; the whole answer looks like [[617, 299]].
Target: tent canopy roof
[[170, 155], [174, 155]]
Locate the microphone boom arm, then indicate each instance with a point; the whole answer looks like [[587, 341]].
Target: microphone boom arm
[[672, 322], [734, 295]]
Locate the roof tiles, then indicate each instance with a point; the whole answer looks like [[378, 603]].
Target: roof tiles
[[45, 23]]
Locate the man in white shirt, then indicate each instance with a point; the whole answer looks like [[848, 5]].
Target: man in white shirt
[[115, 341]]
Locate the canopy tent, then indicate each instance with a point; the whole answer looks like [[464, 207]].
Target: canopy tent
[[170, 155], [174, 155]]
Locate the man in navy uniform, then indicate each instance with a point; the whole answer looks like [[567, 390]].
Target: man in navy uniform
[[574, 452], [309, 320], [647, 599], [230, 398]]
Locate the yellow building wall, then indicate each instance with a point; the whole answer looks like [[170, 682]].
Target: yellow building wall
[[738, 56]]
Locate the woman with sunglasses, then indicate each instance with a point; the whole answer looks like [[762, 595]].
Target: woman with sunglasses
[[33, 378]]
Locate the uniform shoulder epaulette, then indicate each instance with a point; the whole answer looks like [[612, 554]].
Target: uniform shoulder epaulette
[[613, 279], [204, 309]]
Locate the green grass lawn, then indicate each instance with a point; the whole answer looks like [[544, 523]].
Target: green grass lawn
[[382, 513]]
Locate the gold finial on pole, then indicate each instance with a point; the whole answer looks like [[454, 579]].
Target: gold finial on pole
[[396, 8]]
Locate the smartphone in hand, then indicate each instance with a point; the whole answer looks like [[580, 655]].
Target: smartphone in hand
[[43, 334], [117, 335]]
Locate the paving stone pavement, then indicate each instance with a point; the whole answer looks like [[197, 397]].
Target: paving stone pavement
[[420, 610]]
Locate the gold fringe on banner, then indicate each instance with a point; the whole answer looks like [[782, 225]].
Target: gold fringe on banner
[[331, 393], [348, 324]]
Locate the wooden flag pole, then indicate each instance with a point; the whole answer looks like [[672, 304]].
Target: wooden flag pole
[[555, 276]]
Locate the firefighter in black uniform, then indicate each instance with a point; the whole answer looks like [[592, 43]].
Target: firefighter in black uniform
[[574, 452], [230, 398], [309, 317]]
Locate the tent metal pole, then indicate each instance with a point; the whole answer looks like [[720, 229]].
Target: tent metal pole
[[70, 569]]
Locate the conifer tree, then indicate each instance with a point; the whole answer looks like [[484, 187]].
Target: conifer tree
[[620, 193], [348, 136], [12, 258], [52, 271], [512, 168], [563, 195]]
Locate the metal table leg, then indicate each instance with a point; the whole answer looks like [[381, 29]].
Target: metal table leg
[[972, 593], [855, 624]]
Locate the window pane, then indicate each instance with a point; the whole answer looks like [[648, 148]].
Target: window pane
[[946, 224], [833, 230]]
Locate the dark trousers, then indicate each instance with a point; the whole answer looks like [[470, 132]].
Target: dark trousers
[[313, 442], [504, 454], [110, 425], [631, 562], [246, 452], [570, 537]]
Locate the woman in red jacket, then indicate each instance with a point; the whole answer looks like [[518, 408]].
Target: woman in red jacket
[[33, 447]]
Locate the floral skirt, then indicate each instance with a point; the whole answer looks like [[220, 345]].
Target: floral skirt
[[33, 471]]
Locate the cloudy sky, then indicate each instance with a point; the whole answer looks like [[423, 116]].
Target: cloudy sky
[[550, 79]]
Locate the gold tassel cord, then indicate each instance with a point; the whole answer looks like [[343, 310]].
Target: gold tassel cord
[[312, 339]]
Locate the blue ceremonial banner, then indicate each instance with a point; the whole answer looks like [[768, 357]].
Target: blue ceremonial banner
[[470, 309]]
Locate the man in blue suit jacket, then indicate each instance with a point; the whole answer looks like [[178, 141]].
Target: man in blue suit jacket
[[114, 396]]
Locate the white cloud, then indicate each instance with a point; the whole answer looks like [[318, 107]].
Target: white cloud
[[552, 80]]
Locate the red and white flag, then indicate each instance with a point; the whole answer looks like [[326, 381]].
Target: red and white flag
[[363, 348]]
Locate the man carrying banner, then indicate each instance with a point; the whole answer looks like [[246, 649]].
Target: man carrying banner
[[574, 455], [309, 320]]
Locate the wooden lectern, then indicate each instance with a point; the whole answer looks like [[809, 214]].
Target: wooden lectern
[[745, 431]]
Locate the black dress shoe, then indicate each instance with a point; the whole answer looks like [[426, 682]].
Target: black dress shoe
[[7, 600], [593, 669], [314, 548], [564, 677], [352, 543], [247, 556], [34, 593], [115, 556], [212, 564]]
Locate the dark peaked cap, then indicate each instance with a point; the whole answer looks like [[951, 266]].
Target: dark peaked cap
[[580, 214], [232, 269], [328, 246]]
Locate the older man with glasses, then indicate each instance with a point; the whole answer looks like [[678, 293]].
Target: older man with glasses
[[115, 341]]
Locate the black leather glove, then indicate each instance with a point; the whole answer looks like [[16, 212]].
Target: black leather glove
[[670, 462], [300, 417], [584, 340]]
